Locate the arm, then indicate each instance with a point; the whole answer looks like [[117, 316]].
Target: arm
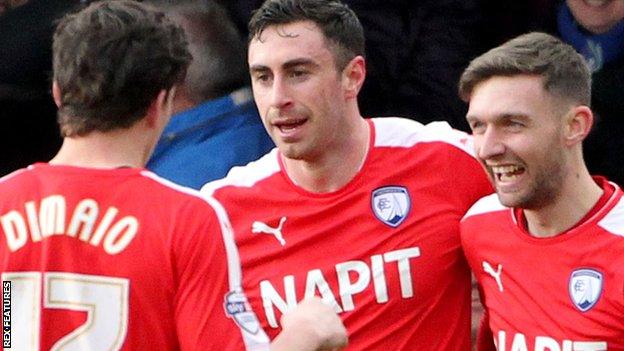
[[311, 326]]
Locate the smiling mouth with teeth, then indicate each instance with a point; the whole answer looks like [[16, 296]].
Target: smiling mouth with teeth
[[507, 173]]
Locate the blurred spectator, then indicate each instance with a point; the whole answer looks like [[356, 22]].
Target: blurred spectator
[[6, 5], [216, 125], [27, 111], [416, 51], [596, 29]]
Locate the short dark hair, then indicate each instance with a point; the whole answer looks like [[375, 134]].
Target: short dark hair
[[110, 62], [338, 23], [565, 72], [219, 63]]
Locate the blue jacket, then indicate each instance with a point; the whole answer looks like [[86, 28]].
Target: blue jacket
[[202, 144]]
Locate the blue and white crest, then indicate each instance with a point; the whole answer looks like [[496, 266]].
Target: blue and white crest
[[585, 287], [238, 308], [391, 204]]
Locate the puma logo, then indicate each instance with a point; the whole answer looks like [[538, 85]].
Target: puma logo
[[259, 227], [496, 274]]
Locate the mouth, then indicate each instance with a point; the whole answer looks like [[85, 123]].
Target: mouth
[[289, 128], [289, 124], [596, 3], [507, 173]]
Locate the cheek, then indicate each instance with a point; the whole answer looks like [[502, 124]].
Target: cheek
[[618, 13], [259, 98], [542, 155], [261, 106], [476, 143]]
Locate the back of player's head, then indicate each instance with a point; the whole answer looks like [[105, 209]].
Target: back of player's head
[[110, 62], [564, 71], [337, 21], [219, 63]]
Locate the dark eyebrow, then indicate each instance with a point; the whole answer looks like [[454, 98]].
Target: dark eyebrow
[[258, 68], [286, 65], [299, 62]]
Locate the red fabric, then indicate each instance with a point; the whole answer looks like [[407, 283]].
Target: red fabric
[[554, 292], [606, 195], [163, 290], [396, 288]]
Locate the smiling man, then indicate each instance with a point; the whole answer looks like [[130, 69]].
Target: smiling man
[[363, 213], [548, 248]]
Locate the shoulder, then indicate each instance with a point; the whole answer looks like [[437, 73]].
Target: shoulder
[[485, 205], [486, 217], [17, 176], [248, 175], [190, 211], [174, 195], [21, 182], [168, 187], [402, 132], [613, 221]]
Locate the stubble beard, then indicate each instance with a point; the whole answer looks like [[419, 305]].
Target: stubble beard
[[543, 190]]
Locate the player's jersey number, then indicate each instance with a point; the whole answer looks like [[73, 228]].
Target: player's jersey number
[[104, 299]]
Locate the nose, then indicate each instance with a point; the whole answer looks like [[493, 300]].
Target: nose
[[489, 144], [280, 94]]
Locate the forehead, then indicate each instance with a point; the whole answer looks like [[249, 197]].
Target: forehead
[[287, 42], [515, 95]]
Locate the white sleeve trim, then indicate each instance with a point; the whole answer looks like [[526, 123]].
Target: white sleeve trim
[[258, 341], [486, 204], [613, 222], [402, 132], [248, 175]]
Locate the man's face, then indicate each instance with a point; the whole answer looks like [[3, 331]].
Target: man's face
[[517, 128], [597, 16], [298, 89]]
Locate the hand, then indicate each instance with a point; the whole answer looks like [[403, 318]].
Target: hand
[[312, 325]]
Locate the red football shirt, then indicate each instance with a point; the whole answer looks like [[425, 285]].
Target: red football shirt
[[562, 293], [117, 260], [384, 250]]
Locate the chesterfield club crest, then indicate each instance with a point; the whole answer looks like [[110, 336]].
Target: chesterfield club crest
[[391, 204], [585, 288]]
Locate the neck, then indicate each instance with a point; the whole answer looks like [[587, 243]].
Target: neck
[[118, 148], [336, 166], [578, 196], [182, 101]]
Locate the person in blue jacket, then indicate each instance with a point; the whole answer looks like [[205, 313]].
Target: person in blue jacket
[[216, 124]]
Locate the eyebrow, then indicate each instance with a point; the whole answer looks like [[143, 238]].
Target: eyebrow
[[286, 65], [499, 117], [300, 62]]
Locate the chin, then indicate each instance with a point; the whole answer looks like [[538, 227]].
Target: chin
[[291, 152], [510, 200]]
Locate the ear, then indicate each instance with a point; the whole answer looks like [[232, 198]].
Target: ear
[[156, 108], [56, 94], [353, 77], [578, 124]]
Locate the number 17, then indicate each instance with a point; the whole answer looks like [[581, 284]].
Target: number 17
[[105, 299]]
